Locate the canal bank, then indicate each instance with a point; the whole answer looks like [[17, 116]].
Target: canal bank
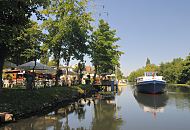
[[23, 103], [152, 112]]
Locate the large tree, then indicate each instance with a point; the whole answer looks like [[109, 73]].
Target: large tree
[[104, 50], [14, 16], [68, 29]]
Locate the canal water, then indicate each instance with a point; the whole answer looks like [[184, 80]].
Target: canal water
[[129, 110]]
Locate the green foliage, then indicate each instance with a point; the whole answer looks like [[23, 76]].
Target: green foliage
[[140, 72], [176, 71], [14, 17], [148, 62], [133, 75], [51, 63], [28, 44], [44, 58], [119, 74], [106, 93], [38, 99], [171, 70], [151, 68], [104, 52], [68, 27], [188, 82], [184, 76]]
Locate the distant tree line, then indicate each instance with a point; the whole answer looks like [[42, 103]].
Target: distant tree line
[[177, 71], [65, 33]]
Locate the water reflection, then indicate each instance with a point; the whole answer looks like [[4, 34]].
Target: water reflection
[[121, 112], [178, 89], [151, 103], [84, 114], [179, 97], [106, 116], [51, 121]]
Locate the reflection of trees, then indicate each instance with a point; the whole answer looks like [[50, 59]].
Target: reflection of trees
[[36, 123], [178, 89], [105, 117], [180, 96], [52, 120], [180, 100], [81, 113]]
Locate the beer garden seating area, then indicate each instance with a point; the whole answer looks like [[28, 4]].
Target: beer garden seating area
[[44, 76]]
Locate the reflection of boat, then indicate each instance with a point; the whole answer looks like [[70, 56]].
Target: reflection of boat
[[151, 103], [151, 83]]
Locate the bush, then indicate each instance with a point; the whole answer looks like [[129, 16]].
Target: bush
[[188, 82]]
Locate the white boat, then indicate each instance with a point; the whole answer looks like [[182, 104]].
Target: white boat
[[150, 83]]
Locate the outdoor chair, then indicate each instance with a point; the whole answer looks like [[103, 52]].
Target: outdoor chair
[[6, 83]]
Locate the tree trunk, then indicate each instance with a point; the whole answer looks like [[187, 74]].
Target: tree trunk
[[2, 59], [57, 73], [94, 78], [79, 73], [1, 71], [67, 72], [33, 75]]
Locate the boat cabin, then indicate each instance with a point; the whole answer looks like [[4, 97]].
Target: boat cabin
[[150, 73], [148, 76]]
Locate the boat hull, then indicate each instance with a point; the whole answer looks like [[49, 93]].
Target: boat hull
[[152, 87]]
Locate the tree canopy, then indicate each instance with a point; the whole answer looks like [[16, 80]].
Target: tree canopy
[[66, 33], [148, 61], [184, 76], [68, 29], [14, 17], [104, 50]]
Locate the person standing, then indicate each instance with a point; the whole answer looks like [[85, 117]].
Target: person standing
[[29, 80]]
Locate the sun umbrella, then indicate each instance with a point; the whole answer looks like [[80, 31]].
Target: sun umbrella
[[8, 64], [31, 65]]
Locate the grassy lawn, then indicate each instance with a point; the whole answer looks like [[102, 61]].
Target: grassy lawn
[[20, 102]]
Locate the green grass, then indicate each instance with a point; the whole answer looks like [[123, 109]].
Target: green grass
[[106, 93], [22, 101]]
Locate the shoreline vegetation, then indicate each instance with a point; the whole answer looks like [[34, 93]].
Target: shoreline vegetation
[[23, 103], [174, 72], [179, 85]]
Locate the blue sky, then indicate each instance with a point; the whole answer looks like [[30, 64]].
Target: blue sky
[[157, 29]]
